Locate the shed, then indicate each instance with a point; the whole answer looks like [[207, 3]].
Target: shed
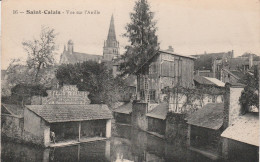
[[205, 127], [68, 122]]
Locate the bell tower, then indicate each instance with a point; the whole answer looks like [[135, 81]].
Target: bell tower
[[111, 45]]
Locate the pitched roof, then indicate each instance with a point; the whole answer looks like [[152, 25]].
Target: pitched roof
[[124, 109], [245, 129], [159, 111], [76, 57], [159, 52], [111, 32], [208, 81], [65, 113], [229, 72], [210, 116], [15, 110]]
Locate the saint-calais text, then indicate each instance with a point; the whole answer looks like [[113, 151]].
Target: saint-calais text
[[43, 12], [68, 12]]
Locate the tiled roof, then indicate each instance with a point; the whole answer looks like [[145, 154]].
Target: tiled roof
[[76, 57], [245, 129], [210, 116], [124, 109], [208, 81], [65, 113], [15, 110], [159, 111]]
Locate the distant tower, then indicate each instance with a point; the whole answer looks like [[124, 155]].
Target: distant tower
[[111, 45], [70, 46]]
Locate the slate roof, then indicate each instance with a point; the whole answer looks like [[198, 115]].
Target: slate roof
[[65, 113], [208, 81], [245, 129], [159, 111], [15, 110], [210, 116], [76, 57], [124, 109]]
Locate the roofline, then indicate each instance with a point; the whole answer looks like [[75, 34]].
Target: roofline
[[36, 114], [190, 57], [158, 52], [64, 121], [231, 73], [12, 114]]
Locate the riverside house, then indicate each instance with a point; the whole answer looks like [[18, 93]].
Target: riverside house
[[68, 113], [161, 71]]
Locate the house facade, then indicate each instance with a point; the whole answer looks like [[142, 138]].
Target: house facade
[[162, 71]]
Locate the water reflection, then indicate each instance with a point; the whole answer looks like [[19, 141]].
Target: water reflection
[[126, 145]]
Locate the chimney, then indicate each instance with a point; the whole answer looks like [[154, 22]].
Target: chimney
[[232, 107], [250, 59], [170, 49]]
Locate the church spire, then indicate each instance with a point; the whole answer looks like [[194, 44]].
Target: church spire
[[111, 33], [111, 45]]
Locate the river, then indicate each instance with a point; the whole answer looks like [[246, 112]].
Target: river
[[126, 145]]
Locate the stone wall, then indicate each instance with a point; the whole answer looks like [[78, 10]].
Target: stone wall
[[139, 118], [185, 102], [12, 126], [176, 129], [232, 107], [35, 129], [239, 151]]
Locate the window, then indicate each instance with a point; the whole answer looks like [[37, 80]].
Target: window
[[152, 95], [142, 96]]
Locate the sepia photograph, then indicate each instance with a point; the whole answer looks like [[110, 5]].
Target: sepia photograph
[[130, 80]]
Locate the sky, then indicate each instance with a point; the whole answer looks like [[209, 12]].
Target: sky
[[189, 26]]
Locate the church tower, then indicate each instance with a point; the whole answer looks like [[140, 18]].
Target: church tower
[[111, 45]]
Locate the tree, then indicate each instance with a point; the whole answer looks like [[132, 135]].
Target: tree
[[249, 96], [41, 51], [92, 77], [141, 34]]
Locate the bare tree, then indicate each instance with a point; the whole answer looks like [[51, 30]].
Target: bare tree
[[41, 51]]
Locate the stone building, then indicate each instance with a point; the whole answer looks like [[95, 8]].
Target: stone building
[[70, 123], [111, 45], [204, 129], [162, 71], [12, 121], [203, 65], [69, 56], [241, 134], [67, 112], [110, 50]]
